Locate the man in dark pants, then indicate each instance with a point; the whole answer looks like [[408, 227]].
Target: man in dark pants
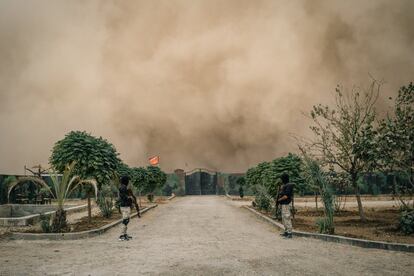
[[284, 199], [126, 198]]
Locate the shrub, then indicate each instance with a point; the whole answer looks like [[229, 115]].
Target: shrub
[[317, 178], [407, 222], [325, 225], [105, 201], [150, 197], [45, 223], [263, 200], [241, 192]]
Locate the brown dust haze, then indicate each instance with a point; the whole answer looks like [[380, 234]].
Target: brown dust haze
[[215, 84]]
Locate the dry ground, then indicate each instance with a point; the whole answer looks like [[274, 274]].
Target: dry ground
[[382, 212], [205, 235]]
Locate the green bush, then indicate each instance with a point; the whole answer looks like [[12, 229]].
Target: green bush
[[105, 201], [407, 222], [45, 223], [319, 180], [325, 225], [150, 197], [262, 199], [241, 192]]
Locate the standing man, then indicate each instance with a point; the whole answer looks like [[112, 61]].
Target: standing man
[[284, 199], [126, 198]]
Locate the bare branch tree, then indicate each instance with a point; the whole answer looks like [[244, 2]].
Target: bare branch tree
[[344, 134]]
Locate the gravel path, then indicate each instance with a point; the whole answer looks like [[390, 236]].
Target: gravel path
[[205, 235]]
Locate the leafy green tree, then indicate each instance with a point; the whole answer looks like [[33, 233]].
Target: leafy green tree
[[291, 164], [344, 135], [266, 177], [156, 179], [252, 178], [268, 174], [95, 157], [124, 170], [395, 144], [139, 179]]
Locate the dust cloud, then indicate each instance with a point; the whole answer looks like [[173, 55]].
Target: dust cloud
[[215, 84]]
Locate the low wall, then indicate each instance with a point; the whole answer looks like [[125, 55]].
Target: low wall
[[73, 235], [27, 214], [21, 210]]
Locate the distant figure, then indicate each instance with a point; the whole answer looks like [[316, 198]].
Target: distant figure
[[284, 199], [126, 198]]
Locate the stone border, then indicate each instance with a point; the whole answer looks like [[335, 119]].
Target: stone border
[[73, 235], [34, 218], [171, 197], [339, 239]]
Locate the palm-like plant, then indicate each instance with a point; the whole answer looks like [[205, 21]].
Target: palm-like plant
[[316, 177], [62, 188]]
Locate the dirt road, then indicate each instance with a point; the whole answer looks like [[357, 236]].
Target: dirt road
[[198, 236]]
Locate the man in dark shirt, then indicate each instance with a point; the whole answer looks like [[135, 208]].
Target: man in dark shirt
[[284, 199], [126, 199]]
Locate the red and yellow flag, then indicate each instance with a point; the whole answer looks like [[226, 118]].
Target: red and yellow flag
[[155, 160]]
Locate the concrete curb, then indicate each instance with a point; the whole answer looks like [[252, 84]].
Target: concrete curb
[[171, 197], [34, 218], [74, 235], [339, 239]]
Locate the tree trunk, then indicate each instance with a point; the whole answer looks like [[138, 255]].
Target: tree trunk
[[59, 223], [316, 201], [358, 198], [89, 209]]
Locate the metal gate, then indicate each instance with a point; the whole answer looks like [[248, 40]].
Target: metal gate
[[201, 182]]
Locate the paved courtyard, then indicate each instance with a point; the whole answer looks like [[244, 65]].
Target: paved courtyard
[[205, 235]]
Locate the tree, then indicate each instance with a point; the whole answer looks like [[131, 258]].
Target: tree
[[156, 179], [139, 179], [95, 157], [124, 170], [291, 164], [265, 177], [268, 174], [395, 144], [344, 134], [252, 178]]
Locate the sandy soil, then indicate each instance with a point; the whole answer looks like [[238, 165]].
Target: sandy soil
[[349, 203], [382, 224], [205, 235]]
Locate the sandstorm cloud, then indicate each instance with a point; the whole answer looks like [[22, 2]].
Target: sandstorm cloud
[[216, 84]]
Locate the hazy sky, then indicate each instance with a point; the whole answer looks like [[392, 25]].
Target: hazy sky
[[217, 84]]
